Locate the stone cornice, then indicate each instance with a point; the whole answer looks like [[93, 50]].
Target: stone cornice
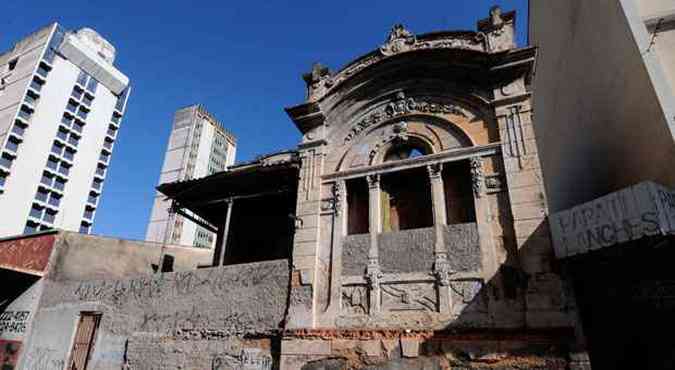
[[447, 156]]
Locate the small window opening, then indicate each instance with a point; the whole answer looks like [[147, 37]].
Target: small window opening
[[357, 206], [406, 200], [12, 64], [459, 202]]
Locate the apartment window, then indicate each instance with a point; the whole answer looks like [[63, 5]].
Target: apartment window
[[18, 129], [77, 93], [36, 85], [82, 113], [82, 78], [36, 211], [12, 64], [87, 100], [111, 132], [30, 99], [73, 140], [107, 144], [92, 198], [72, 106], [92, 85], [59, 183], [88, 213], [5, 160], [54, 200], [3, 179], [30, 228], [42, 195], [67, 120], [49, 216], [57, 148], [24, 113], [50, 54], [122, 99], [96, 184], [85, 335], [64, 169], [62, 134], [100, 170], [116, 119], [103, 157], [12, 145], [69, 155], [52, 163], [84, 228], [78, 126], [43, 70], [46, 179]]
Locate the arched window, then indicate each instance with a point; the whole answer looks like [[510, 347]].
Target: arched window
[[406, 150]]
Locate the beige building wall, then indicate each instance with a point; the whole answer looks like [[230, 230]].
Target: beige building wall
[[603, 95]]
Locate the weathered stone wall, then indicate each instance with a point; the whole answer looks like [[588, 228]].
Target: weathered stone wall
[[201, 306], [355, 254], [407, 250], [149, 352], [415, 350]]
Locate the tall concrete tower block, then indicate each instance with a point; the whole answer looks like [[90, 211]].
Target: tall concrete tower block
[[61, 104], [199, 146]]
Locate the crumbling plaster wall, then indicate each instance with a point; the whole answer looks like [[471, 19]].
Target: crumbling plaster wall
[[199, 307], [80, 257]]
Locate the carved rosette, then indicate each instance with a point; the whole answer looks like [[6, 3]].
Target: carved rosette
[[477, 176]]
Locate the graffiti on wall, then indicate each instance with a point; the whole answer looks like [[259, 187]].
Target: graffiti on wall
[[177, 284], [41, 358], [645, 209], [14, 321], [26, 254], [9, 354]]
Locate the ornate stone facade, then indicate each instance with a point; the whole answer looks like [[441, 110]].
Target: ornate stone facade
[[442, 174]]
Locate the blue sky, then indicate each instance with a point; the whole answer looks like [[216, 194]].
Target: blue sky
[[242, 59]]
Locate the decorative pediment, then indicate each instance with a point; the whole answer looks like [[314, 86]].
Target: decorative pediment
[[400, 40]]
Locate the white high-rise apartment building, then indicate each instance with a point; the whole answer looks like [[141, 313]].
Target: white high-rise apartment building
[[61, 103], [199, 146]]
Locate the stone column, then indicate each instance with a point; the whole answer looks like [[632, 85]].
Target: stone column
[[442, 270], [338, 233], [373, 273]]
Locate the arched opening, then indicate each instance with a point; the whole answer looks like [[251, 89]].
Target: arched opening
[[406, 200], [406, 150]]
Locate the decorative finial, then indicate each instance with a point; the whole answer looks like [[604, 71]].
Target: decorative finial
[[399, 40], [496, 16]]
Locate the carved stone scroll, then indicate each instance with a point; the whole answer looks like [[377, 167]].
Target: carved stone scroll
[[477, 176], [401, 105]]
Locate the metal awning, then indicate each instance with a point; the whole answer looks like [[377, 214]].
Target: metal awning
[[205, 197]]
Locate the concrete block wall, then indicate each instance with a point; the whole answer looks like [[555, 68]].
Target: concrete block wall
[[154, 314]]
